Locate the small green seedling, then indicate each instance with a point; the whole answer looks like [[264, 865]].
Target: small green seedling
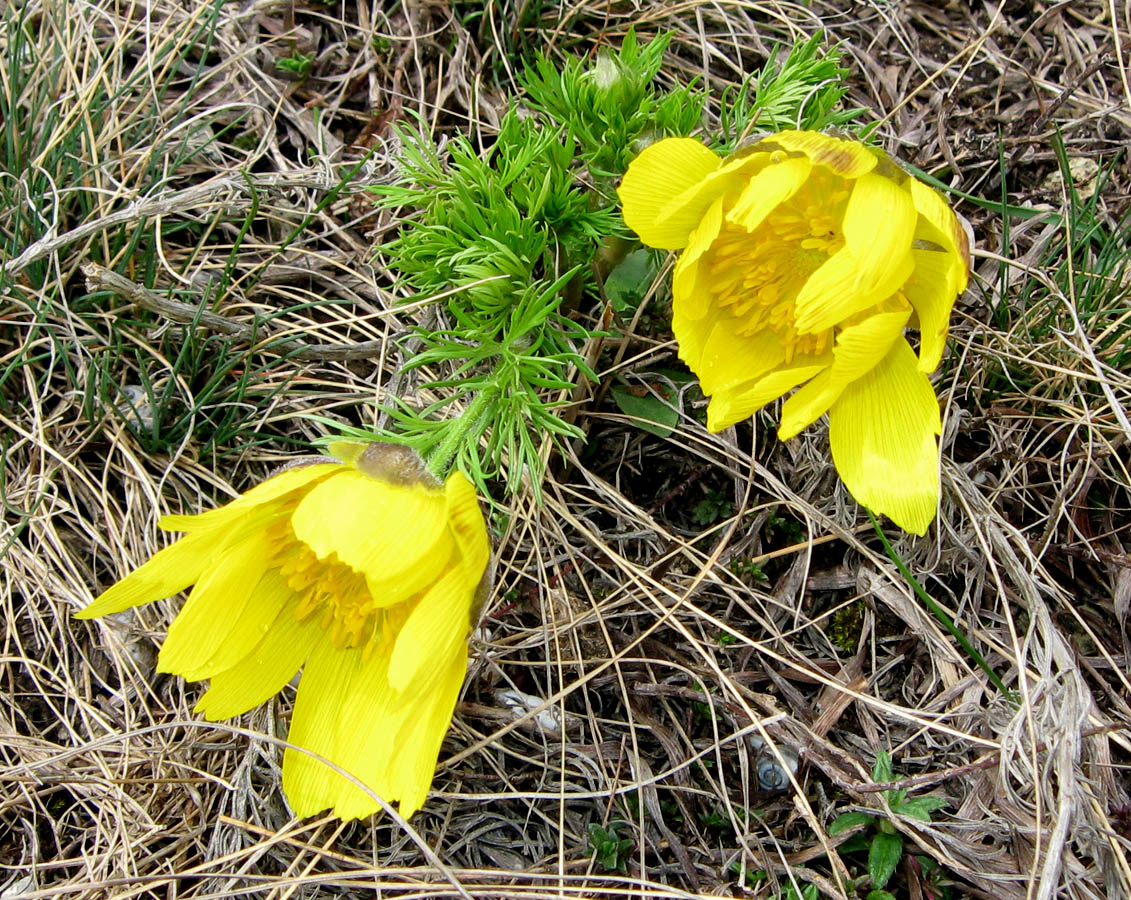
[[714, 507], [298, 64], [609, 848], [885, 844], [748, 570]]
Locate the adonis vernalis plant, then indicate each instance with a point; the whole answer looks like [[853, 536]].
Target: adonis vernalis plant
[[366, 573], [805, 256]]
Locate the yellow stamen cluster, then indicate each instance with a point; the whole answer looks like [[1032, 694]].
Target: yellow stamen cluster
[[757, 275], [327, 588]]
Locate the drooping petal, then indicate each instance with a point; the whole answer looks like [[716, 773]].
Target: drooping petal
[[434, 627], [224, 607], [737, 403], [857, 350], [728, 358], [247, 624], [167, 572], [272, 489], [690, 296], [767, 190], [934, 211], [264, 671], [931, 291], [882, 431], [847, 158], [879, 226], [181, 564], [466, 520], [658, 191], [366, 736], [330, 676], [396, 536], [420, 737]]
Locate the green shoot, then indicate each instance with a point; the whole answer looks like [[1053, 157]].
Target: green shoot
[[612, 105], [804, 90], [297, 64], [608, 848], [939, 613]]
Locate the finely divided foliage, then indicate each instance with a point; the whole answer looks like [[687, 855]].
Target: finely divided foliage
[[230, 230]]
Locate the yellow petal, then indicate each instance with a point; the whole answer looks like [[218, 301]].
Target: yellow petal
[[728, 359], [691, 337], [366, 743], [225, 608], [274, 488], [738, 403], [882, 432], [933, 210], [167, 572], [658, 192], [931, 291], [772, 186], [859, 348], [693, 311], [466, 520], [420, 737], [879, 226], [264, 671], [437, 623], [328, 679], [847, 158], [396, 535], [690, 296], [174, 568], [247, 628]]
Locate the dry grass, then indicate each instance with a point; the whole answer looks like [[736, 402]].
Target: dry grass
[[189, 163]]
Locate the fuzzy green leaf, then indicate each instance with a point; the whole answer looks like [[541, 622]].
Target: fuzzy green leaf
[[848, 820], [919, 807], [883, 857]]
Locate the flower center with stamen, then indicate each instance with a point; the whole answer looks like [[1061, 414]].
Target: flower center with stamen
[[756, 276], [327, 589]]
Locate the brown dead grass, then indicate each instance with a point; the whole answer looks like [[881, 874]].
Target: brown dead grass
[[656, 656]]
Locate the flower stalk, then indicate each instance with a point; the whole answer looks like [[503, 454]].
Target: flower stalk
[[465, 428]]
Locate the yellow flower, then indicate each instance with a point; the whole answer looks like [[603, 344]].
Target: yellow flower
[[367, 575], [804, 258]]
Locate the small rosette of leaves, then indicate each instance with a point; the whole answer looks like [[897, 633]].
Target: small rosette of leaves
[[608, 848], [883, 843]]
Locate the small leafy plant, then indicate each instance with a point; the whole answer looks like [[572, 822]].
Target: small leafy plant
[[297, 63], [608, 848], [884, 844], [748, 570], [713, 507]]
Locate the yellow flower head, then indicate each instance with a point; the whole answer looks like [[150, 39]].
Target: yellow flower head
[[366, 574], [804, 258]]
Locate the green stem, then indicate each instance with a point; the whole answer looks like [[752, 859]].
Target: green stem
[[469, 426], [939, 613]]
